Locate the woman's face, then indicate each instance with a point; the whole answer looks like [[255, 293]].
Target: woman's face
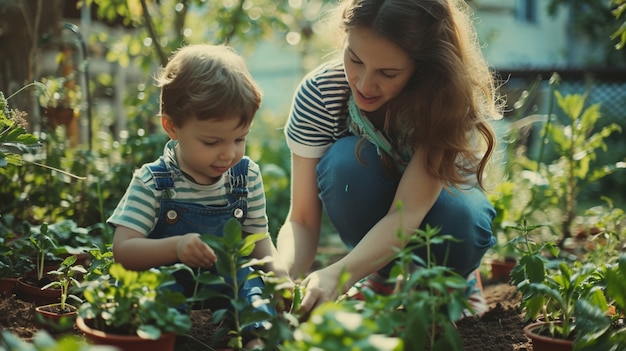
[[376, 68]]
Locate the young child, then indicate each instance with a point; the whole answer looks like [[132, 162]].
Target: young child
[[208, 101]]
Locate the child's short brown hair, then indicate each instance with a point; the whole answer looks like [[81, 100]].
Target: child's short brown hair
[[207, 81]]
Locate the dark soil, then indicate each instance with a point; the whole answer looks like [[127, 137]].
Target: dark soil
[[499, 329]]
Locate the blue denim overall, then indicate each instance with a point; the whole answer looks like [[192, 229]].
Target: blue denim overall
[[179, 218]]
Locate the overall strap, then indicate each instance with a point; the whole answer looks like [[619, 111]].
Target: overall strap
[[239, 189], [163, 177], [239, 179]]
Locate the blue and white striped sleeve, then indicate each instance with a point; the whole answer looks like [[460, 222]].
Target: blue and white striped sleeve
[[313, 123]]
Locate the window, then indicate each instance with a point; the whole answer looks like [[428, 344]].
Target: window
[[526, 11]]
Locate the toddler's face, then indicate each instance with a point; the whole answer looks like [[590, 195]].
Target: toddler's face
[[206, 149]]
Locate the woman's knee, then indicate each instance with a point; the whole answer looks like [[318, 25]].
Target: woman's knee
[[468, 217]]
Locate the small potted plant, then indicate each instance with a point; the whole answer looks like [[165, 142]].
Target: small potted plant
[[61, 316], [602, 327], [132, 310], [551, 289], [13, 264], [29, 286], [61, 101]]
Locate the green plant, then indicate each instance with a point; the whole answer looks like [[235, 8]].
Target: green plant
[[60, 92], [14, 139], [551, 288], [43, 245], [334, 326], [14, 259], [70, 238], [601, 326], [620, 33], [601, 233], [428, 298], [557, 298], [65, 279], [134, 303], [101, 262], [42, 341], [419, 315], [233, 254], [576, 143], [543, 182]]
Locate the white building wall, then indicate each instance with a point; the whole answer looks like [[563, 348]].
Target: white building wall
[[510, 42]]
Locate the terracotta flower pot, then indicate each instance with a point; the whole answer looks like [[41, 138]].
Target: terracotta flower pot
[[59, 115], [7, 286], [125, 342], [27, 291], [53, 319], [501, 270], [543, 342]]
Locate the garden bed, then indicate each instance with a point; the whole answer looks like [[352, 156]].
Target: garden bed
[[500, 329]]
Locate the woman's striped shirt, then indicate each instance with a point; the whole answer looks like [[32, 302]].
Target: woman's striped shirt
[[318, 115]]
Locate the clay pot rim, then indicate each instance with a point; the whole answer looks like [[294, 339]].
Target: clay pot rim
[[529, 331], [81, 323], [42, 309]]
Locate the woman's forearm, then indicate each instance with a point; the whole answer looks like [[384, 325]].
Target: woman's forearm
[[297, 248], [374, 251]]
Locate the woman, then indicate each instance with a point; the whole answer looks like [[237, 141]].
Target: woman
[[402, 118]]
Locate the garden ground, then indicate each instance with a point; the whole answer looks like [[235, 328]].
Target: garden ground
[[500, 329]]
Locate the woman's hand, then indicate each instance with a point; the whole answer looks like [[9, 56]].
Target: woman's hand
[[194, 252], [319, 287]]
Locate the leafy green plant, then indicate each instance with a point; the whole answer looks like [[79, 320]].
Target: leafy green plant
[[134, 303], [60, 92], [42, 341], [334, 326], [532, 263], [65, 279], [601, 327], [545, 185], [556, 298], [576, 143], [419, 315], [101, 262], [551, 288], [43, 245], [14, 139], [620, 33], [70, 238], [14, 258], [428, 296], [233, 253], [601, 233]]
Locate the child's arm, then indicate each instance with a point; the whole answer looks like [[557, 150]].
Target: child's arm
[[134, 251]]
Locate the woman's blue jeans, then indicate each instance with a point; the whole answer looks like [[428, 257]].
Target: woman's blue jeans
[[356, 195]]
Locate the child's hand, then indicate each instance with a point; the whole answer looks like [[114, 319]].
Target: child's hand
[[194, 252]]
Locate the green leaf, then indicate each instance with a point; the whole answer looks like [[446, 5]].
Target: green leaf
[[232, 232], [149, 332], [591, 321], [535, 269]]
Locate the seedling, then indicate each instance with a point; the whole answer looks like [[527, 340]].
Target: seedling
[[65, 279], [43, 244]]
